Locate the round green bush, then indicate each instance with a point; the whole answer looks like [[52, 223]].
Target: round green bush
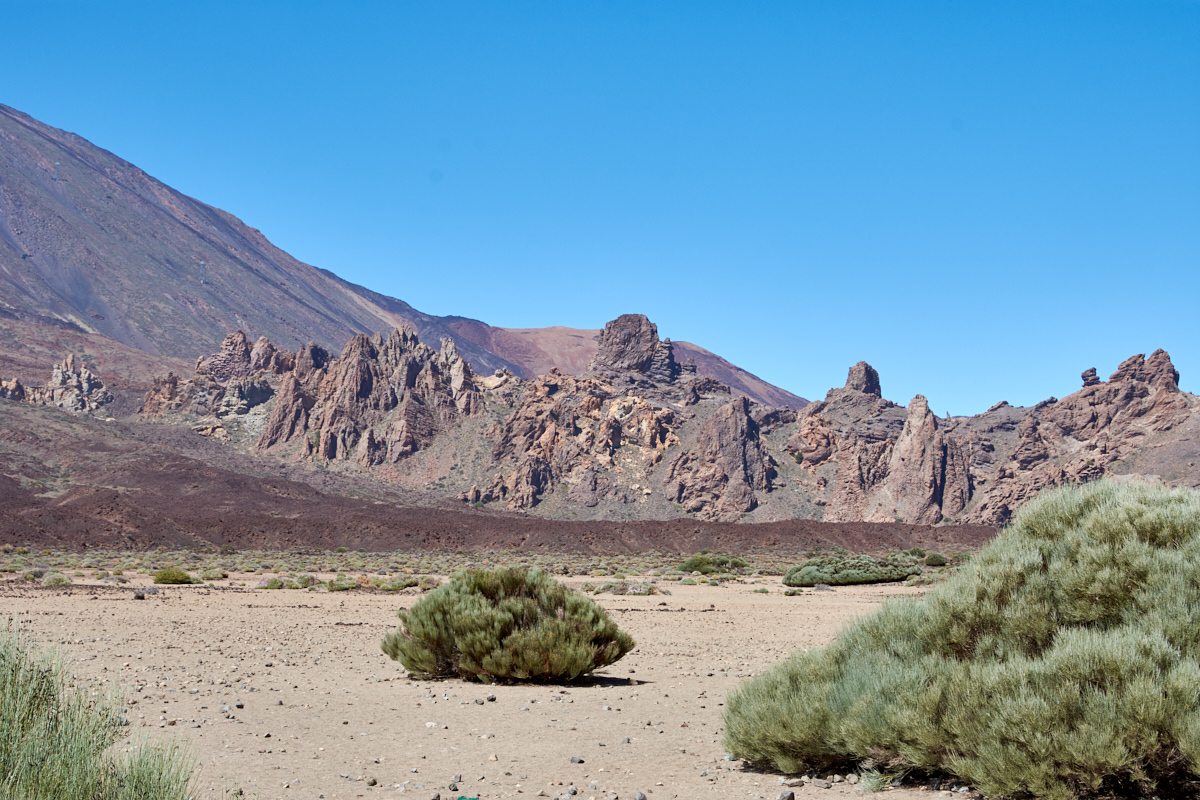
[[935, 560], [845, 569], [1063, 660], [171, 576], [505, 624], [56, 579]]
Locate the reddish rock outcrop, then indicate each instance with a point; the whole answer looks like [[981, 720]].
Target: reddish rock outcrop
[[718, 478], [1085, 435], [628, 343], [380, 401]]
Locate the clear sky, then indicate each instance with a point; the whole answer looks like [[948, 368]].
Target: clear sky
[[980, 199]]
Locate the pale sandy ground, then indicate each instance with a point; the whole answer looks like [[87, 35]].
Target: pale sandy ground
[[325, 711]]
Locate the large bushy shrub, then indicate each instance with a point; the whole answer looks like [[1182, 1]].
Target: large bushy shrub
[[172, 576], [708, 563], [505, 624], [846, 569], [1063, 659], [55, 738]]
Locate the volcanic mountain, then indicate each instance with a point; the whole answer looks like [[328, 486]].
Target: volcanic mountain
[[95, 251]]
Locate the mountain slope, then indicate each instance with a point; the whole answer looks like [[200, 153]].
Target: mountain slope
[[90, 243]]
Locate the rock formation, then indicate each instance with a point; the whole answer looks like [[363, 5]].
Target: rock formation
[[1086, 435], [72, 386], [639, 435], [718, 477]]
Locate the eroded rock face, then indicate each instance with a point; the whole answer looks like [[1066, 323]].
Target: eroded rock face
[[640, 430], [980, 469], [863, 378], [72, 387], [231, 361], [628, 344], [1084, 435], [568, 429], [718, 478], [380, 401]]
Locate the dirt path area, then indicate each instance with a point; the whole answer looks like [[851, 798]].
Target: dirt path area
[[285, 694]]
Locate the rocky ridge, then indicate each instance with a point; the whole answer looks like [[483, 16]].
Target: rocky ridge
[[639, 435]]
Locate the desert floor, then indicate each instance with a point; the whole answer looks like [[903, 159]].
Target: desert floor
[[316, 710]]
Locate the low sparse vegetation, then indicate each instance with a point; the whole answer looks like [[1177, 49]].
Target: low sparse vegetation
[[843, 569], [505, 624], [1063, 660], [707, 563]]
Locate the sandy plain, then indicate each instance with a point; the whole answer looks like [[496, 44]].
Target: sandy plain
[[286, 694]]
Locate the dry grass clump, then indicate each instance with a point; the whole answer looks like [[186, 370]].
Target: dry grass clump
[[643, 589], [844, 569], [1064, 659], [505, 624], [55, 739]]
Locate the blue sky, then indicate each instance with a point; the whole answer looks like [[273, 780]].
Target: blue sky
[[980, 199]]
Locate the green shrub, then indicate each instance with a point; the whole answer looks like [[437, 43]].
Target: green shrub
[[1064, 659], [915, 552], [505, 624], [171, 576], [708, 563], [847, 569], [55, 738], [56, 579], [935, 560], [214, 574]]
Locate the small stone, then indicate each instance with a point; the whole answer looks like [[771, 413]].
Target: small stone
[[139, 595], [625, 740], [852, 779], [477, 701], [453, 787], [491, 698], [786, 794], [576, 760], [458, 778], [239, 704], [493, 757], [821, 784], [729, 757], [639, 796], [371, 782]]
